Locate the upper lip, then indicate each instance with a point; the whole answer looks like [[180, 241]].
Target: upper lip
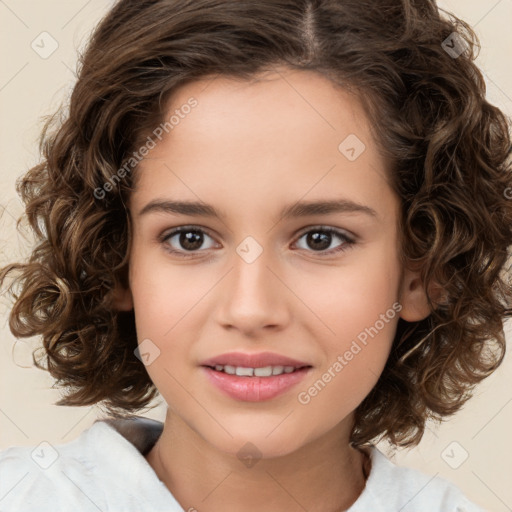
[[257, 360]]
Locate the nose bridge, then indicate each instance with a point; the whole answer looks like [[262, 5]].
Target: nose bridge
[[251, 275], [252, 298]]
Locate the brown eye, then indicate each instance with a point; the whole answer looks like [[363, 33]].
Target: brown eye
[[185, 239], [320, 239]]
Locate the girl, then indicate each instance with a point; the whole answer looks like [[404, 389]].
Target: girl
[[210, 146]]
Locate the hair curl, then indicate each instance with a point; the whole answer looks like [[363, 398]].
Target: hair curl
[[449, 154]]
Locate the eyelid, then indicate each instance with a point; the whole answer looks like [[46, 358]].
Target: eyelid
[[167, 234], [331, 229]]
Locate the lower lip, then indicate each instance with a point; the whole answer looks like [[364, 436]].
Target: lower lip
[[254, 389]]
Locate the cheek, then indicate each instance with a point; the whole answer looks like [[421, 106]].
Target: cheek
[[345, 381], [363, 327], [163, 294], [359, 294], [359, 312]]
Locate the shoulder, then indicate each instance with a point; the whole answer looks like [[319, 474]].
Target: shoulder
[[52, 476], [103, 469], [391, 488]]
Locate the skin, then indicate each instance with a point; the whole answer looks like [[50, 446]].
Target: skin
[[249, 149]]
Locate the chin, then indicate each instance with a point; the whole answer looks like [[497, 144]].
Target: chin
[[257, 441]]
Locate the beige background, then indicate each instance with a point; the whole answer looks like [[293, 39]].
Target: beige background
[[31, 87]]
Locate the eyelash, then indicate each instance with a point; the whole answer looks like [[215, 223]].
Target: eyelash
[[348, 242]]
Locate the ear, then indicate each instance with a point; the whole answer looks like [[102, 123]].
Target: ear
[[122, 299], [413, 297]]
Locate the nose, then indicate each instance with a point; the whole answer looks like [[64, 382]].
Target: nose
[[254, 295]]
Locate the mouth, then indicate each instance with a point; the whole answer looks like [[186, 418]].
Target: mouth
[[265, 371], [254, 377]]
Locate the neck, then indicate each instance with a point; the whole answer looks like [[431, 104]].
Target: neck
[[326, 474]]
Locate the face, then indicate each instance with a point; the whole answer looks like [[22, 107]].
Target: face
[[322, 286]]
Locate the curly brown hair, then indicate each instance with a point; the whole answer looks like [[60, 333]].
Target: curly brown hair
[[413, 70]]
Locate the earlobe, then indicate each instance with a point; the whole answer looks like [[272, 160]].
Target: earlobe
[[413, 298], [122, 299]]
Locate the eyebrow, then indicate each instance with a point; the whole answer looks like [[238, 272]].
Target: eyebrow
[[298, 209]]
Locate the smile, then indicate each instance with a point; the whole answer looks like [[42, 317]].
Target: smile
[[266, 371]]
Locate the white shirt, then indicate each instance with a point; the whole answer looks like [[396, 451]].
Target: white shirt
[[104, 469]]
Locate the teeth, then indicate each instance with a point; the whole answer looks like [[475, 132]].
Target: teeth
[[230, 369], [263, 372], [242, 371], [276, 370]]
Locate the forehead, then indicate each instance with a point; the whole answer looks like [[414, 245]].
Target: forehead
[[290, 131], [304, 102]]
